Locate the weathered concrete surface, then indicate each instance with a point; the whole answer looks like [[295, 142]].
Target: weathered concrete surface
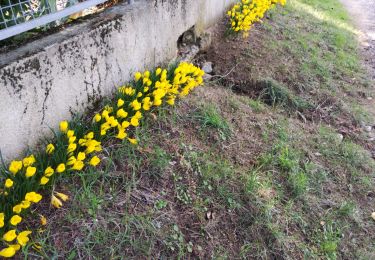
[[45, 81]]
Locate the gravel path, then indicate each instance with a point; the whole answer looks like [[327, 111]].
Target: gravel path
[[363, 15]]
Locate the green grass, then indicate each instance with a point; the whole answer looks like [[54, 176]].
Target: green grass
[[209, 117], [315, 55], [256, 105], [345, 154], [273, 93]]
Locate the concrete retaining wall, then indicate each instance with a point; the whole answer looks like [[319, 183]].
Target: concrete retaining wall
[[46, 80]]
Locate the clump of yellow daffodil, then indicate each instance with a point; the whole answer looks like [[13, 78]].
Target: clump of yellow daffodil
[[74, 149], [247, 12]]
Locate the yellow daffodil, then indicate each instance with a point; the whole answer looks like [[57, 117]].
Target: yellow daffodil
[[70, 133], [56, 202], [146, 74], [17, 209], [64, 126], [90, 135], [121, 134], [135, 105], [72, 139], [15, 220], [137, 76], [82, 142], [129, 91], [71, 148], [10, 235], [44, 180], [146, 103], [125, 124], [133, 141], [2, 217], [23, 237], [62, 196], [134, 121], [49, 171], [33, 197], [78, 165], [7, 252], [92, 146], [94, 161], [8, 183], [112, 121], [71, 160], [120, 102], [81, 156], [138, 115], [30, 171], [15, 166], [60, 168], [97, 118], [157, 102], [28, 161], [170, 101], [50, 148], [121, 113], [25, 204], [105, 114]]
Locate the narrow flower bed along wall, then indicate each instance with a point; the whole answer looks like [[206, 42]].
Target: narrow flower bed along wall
[[75, 146], [247, 12]]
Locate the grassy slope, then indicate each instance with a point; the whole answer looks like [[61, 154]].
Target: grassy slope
[[228, 175]]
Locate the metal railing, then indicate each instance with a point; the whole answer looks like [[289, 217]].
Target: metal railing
[[18, 16]]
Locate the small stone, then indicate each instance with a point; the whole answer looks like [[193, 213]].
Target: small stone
[[369, 98], [373, 215], [207, 67], [340, 137], [318, 154], [368, 128]]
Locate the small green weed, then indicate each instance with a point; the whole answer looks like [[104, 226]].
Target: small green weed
[[253, 182], [329, 240], [209, 117], [256, 105], [160, 204], [273, 93], [346, 209], [159, 160], [299, 182]]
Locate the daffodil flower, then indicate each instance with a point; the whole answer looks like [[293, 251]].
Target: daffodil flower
[[10, 235], [50, 148], [8, 183], [7, 252]]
